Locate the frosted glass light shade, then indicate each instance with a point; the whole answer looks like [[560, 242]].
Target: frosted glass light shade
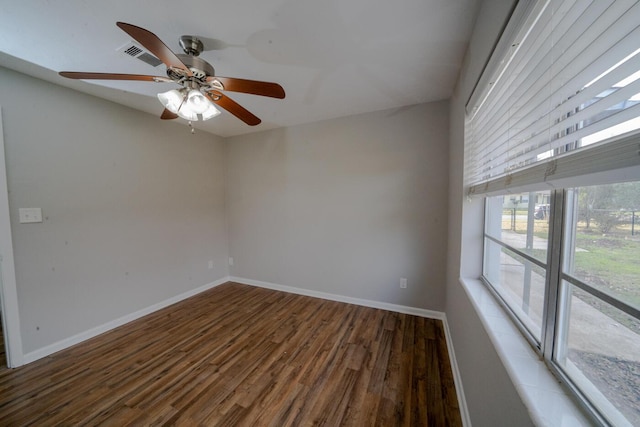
[[197, 102], [187, 114], [210, 112], [171, 100], [192, 106]]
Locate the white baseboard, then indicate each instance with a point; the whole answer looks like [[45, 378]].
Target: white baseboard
[[83, 336], [431, 314]]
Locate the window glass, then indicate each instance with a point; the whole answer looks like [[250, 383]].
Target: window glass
[[598, 339], [599, 349], [521, 221], [519, 282], [603, 239], [517, 226]]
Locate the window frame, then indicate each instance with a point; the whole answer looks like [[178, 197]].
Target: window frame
[[562, 203], [520, 324]]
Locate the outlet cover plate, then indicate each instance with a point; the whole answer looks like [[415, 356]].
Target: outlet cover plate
[[29, 215]]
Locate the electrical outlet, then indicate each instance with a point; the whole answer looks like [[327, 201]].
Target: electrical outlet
[[403, 283], [230, 260], [210, 264]]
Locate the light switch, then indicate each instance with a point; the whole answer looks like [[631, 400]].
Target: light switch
[[28, 215]]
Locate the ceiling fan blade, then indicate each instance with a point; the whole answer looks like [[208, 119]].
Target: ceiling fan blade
[[233, 107], [153, 43], [168, 115], [113, 76], [253, 87]]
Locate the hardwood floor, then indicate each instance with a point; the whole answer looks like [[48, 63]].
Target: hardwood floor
[[240, 355]]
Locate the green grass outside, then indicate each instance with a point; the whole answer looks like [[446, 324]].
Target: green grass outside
[[612, 264]]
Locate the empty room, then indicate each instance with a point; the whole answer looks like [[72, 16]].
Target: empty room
[[295, 212]]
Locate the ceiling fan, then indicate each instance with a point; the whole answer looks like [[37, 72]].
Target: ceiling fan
[[201, 90]]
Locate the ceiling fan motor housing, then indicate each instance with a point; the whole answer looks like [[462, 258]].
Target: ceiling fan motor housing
[[200, 68]]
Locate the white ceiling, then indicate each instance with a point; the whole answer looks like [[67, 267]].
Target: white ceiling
[[333, 57]]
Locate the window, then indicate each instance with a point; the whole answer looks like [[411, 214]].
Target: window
[[594, 327], [515, 260], [598, 333], [552, 141]]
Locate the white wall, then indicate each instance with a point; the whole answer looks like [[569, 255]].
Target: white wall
[[490, 394], [345, 206], [134, 208]]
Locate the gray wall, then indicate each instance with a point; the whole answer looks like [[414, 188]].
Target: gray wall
[[134, 208], [345, 206], [491, 396]]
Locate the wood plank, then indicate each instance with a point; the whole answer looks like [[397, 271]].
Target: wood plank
[[240, 355], [449, 400]]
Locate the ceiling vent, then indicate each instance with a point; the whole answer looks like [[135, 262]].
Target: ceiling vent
[[134, 50]]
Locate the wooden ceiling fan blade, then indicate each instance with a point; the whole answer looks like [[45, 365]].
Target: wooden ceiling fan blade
[[233, 107], [168, 115], [113, 76], [253, 87], [153, 43]]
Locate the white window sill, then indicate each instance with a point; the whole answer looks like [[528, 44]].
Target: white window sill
[[547, 401]]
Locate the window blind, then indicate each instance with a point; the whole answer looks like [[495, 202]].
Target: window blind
[[570, 81]]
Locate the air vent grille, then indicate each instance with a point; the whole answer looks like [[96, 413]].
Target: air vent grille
[[133, 51], [136, 51]]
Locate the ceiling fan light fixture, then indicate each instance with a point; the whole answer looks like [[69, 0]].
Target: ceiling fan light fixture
[[197, 102], [191, 106], [171, 100], [210, 112], [187, 114]]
